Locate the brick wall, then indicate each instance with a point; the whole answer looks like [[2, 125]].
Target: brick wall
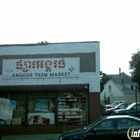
[[94, 106]]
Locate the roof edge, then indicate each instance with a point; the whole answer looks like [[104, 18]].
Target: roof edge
[[45, 43]]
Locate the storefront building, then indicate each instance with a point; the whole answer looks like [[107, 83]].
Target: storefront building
[[46, 86]]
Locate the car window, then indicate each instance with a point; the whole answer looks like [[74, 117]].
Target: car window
[[130, 106], [105, 125], [91, 125], [122, 106], [135, 125], [138, 107], [124, 123], [115, 104]]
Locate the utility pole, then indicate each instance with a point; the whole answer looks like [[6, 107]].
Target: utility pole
[[136, 88]]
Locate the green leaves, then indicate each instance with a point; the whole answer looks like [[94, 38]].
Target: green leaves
[[134, 66]]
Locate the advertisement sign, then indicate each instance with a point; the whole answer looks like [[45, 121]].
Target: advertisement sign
[[42, 105], [40, 118], [6, 108], [41, 68]]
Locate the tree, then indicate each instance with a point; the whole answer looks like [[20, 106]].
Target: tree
[[134, 66], [103, 79]]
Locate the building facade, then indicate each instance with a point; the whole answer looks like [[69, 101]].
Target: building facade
[[46, 85], [119, 87]]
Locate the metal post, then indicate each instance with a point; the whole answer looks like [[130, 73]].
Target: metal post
[[63, 121], [136, 97]]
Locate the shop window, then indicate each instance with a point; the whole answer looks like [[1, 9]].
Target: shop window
[[72, 108], [12, 109], [27, 109], [41, 111], [19, 115], [43, 108]]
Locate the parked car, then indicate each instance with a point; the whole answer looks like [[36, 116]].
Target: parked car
[[130, 110], [109, 111], [106, 128], [115, 103]]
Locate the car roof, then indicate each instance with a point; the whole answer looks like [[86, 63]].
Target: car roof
[[119, 116]]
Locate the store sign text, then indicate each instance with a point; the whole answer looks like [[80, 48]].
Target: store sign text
[[30, 75], [41, 68], [26, 65]]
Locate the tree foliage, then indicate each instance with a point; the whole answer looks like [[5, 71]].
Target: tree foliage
[[103, 79], [134, 66]]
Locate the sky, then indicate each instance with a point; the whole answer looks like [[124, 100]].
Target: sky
[[114, 23]]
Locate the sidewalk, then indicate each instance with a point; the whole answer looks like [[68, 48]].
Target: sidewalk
[[32, 137]]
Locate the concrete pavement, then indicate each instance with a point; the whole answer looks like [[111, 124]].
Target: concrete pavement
[[32, 137]]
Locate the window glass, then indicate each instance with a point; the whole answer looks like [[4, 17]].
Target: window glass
[[138, 106], [37, 109], [127, 123], [41, 111], [72, 108], [115, 104], [12, 109], [122, 106], [19, 115], [132, 87], [107, 124], [124, 123], [109, 88], [135, 125]]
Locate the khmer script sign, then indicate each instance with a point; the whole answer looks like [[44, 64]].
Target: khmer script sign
[[40, 68]]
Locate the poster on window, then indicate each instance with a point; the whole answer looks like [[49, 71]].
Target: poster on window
[[42, 105], [7, 103], [40, 118], [13, 104], [6, 111]]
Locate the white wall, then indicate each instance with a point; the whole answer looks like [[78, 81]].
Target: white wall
[[92, 78], [115, 91]]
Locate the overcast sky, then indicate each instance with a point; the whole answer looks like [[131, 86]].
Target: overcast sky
[[115, 23]]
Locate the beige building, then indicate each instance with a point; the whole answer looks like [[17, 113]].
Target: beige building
[[119, 87]]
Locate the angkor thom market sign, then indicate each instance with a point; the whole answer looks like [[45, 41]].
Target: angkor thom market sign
[[40, 68]]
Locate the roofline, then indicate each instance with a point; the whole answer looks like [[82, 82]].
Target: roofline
[[45, 43]]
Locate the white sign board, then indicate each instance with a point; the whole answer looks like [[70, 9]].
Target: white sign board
[[40, 68]]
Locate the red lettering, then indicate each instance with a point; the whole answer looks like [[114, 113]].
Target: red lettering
[[48, 65], [39, 64], [55, 63], [25, 69], [33, 64], [61, 63], [19, 64], [29, 64]]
